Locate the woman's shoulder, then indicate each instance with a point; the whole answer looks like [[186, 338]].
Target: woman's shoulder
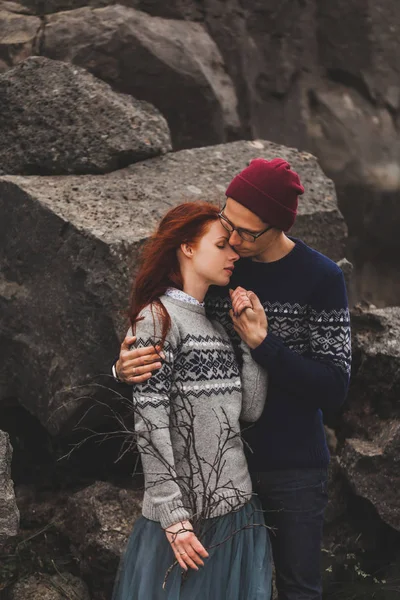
[[150, 321]]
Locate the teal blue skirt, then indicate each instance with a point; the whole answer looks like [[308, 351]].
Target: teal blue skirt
[[238, 567]]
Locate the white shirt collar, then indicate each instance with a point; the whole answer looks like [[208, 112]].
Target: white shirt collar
[[183, 296]]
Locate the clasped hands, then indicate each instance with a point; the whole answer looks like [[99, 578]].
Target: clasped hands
[[248, 316], [136, 365]]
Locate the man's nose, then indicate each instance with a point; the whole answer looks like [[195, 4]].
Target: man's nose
[[235, 239]]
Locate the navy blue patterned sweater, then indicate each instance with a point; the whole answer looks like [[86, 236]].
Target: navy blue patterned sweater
[[307, 353]]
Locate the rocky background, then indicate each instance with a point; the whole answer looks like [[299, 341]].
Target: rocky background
[[110, 114]]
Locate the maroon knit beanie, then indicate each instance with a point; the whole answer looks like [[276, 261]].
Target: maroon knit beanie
[[269, 188]]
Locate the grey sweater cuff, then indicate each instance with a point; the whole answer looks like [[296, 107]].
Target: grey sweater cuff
[[172, 512]]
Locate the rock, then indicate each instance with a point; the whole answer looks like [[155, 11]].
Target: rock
[[56, 119], [358, 44], [19, 35], [49, 587], [375, 383], [370, 454], [358, 145], [98, 522], [372, 469], [9, 514], [173, 64], [174, 9], [66, 283]]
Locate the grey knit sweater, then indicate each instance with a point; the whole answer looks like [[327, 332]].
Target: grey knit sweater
[[187, 417]]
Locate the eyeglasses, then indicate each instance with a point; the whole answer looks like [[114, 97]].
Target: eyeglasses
[[247, 236]]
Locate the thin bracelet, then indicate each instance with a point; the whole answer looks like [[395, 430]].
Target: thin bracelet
[[114, 374]]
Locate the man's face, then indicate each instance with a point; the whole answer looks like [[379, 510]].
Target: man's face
[[241, 217]]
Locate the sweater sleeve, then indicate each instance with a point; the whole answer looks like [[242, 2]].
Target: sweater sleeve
[[254, 386], [151, 403], [320, 379]]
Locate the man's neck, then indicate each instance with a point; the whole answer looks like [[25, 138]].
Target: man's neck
[[279, 248]]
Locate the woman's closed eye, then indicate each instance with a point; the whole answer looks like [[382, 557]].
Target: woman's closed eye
[[222, 242]]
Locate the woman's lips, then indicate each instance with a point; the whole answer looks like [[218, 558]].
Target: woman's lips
[[230, 269]]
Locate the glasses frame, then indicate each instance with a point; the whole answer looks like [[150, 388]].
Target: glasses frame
[[239, 230]]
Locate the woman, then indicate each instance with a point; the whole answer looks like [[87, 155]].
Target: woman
[[198, 508]]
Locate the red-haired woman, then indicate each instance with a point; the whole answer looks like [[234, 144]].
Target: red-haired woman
[[198, 507]]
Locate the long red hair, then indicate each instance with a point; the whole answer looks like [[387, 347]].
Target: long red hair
[[159, 265]]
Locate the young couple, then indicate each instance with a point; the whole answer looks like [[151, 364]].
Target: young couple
[[286, 316]]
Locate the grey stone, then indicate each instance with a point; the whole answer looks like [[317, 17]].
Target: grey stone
[[68, 247], [56, 118], [98, 521], [9, 514], [375, 387], [370, 456], [41, 586], [173, 64], [19, 36], [358, 42], [372, 469]]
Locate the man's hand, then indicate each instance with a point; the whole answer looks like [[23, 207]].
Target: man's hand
[[186, 546], [137, 365], [248, 316]]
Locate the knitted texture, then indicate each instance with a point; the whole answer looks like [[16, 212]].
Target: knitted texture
[[187, 417], [270, 189], [307, 353]]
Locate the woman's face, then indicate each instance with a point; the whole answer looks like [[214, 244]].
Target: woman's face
[[213, 258]]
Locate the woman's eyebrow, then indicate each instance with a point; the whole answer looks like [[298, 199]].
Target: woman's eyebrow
[[223, 237]]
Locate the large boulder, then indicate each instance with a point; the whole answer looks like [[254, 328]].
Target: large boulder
[[98, 521], [68, 247], [370, 429], [372, 469], [358, 43], [173, 64], [375, 383], [9, 514], [56, 118]]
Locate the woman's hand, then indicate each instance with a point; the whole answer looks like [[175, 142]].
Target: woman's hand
[[137, 365], [186, 546], [248, 316]]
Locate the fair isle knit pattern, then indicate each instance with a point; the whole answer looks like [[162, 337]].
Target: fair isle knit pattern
[[307, 353], [326, 334], [187, 416]]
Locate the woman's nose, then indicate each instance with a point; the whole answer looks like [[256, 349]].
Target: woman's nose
[[234, 256]]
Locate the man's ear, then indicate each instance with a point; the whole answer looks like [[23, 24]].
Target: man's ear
[[187, 250]]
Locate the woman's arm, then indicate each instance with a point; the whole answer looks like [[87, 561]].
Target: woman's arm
[[254, 386], [152, 404]]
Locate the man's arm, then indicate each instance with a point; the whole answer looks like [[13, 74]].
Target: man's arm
[[136, 364], [320, 380]]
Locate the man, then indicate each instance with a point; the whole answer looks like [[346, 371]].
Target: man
[[305, 349]]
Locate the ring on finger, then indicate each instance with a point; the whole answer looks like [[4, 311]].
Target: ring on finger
[[181, 553]]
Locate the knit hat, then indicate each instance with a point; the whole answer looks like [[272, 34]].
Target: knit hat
[[269, 188]]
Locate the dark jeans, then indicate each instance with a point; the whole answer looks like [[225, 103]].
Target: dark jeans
[[294, 502]]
